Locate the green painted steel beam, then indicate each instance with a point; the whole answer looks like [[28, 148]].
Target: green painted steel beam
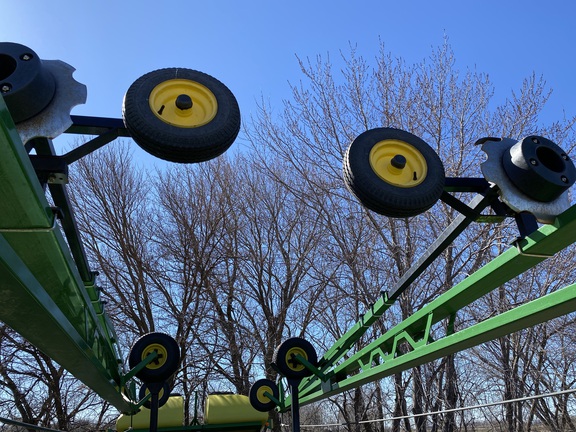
[[43, 296], [343, 345], [18, 179], [347, 341], [543, 309], [543, 243], [27, 308]]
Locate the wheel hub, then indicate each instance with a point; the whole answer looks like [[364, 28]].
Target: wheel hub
[[183, 103], [539, 168], [40, 94], [160, 355], [398, 163], [528, 179], [260, 394], [26, 85], [292, 361]]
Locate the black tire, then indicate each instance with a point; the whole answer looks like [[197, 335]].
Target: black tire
[[393, 172], [163, 367], [208, 129], [259, 400], [163, 394], [289, 367]]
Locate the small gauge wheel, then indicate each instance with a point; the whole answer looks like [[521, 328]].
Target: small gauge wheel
[[259, 400], [164, 365], [181, 115], [287, 364], [163, 394], [393, 172]]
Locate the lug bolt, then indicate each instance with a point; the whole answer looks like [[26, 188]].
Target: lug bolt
[[564, 156], [535, 140], [25, 57], [564, 179], [533, 162], [6, 88]]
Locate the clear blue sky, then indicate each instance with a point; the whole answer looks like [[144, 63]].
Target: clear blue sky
[[251, 45]]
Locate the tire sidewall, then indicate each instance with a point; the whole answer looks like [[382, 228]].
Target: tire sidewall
[[282, 350], [377, 194], [161, 400], [163, 372], [143, 124], [253, 395]]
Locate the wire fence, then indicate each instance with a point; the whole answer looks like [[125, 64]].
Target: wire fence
[[387, 419], [431, 413]]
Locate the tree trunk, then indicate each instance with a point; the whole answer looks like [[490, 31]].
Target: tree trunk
[[451, 394]]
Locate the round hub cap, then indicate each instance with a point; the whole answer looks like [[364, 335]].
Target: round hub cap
[[398, 163], [183, 103]]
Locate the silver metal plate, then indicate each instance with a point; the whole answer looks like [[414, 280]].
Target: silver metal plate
[[55, 118]]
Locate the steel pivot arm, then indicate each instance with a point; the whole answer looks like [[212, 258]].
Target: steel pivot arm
[[469, 213]]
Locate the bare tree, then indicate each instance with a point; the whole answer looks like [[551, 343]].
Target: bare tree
[[449, 110], [41, 392], [233, 255]]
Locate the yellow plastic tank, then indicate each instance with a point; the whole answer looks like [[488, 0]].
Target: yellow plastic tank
[[231, 408], [171, 414]]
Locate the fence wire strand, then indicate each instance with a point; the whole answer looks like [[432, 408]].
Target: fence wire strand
[[430, 413]]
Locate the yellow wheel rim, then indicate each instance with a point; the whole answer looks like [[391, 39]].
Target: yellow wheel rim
[[296, 367], [170, 101], [160, 393], [398, 163], [262, 398], [160, 360]]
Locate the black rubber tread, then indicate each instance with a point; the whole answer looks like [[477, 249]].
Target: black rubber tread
[[170, 365], [382, 197], [173, 143], [253, 395], [279, 357], [162, 397]]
